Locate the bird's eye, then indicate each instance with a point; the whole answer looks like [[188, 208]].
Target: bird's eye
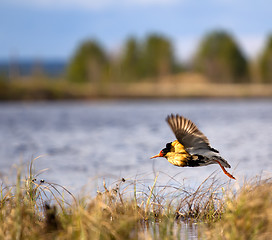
[[162, 153]]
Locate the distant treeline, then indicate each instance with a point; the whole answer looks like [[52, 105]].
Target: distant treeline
[[218, 57]]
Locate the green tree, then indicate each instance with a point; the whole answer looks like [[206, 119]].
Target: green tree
[[89, 64], [130, 60], [265, 64], [220, 59], [157, 57]]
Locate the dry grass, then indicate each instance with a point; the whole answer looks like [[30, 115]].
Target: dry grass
[[248, 214], [174, 86], [33, 209]]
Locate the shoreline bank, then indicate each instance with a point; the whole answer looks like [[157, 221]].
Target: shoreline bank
[[63, 90]]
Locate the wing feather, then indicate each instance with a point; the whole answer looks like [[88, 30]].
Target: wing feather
[[187, 133]]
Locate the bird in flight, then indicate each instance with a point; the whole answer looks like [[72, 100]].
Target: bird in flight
[[192, 148]]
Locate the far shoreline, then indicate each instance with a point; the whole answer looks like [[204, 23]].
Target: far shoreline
[[171, 87]]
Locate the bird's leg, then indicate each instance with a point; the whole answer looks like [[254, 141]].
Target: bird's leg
[[225, 171]]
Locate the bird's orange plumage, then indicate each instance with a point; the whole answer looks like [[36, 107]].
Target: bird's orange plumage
[[177, 155]]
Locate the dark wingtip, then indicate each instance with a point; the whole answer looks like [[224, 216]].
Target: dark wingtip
[[171, 116], [214, 150], [168, 117]]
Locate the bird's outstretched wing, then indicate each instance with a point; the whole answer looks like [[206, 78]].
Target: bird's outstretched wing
[[188, 134]]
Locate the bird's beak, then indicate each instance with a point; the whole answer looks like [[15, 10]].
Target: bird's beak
[[158, 155]]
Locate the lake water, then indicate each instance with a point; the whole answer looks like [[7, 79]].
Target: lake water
[[84, 142]]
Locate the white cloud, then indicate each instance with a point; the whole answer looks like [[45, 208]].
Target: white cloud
[[87, 4]]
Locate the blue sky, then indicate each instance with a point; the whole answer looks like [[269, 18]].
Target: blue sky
[[50, 29]]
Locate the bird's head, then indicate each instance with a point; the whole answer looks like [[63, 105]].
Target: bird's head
[[164, 151]]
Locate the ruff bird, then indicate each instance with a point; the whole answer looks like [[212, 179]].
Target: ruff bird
[[192, 147]]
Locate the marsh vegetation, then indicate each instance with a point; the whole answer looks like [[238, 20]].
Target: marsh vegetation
[[36, 209]]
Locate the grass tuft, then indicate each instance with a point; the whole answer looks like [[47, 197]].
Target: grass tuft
[[247, 215]]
